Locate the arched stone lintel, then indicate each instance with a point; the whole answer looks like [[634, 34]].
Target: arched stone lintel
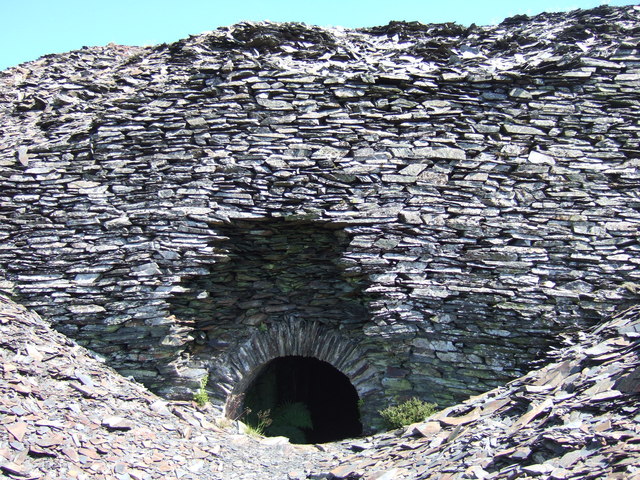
[[290, 337]]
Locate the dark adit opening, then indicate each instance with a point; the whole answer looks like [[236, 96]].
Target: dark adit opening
[[304, 399]]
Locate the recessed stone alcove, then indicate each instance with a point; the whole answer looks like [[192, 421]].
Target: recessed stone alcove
[[235, 374], [278, 289], [266, 269]]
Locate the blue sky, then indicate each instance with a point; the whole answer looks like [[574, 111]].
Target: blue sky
[[32, 28]]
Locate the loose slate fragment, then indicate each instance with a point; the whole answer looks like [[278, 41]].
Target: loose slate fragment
[[629, 383], [23, 156], [87, 392], [50, 441], [384, 475], [21, 388], [15, 470], [38, 451], [455, 421], [117, 423], [34, 353], [17, 430], [425, 429], [344, 471]]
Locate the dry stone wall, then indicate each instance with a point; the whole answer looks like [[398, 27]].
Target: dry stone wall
[[450, 200]]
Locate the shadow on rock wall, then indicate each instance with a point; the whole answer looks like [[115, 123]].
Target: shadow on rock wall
[[269, 270]]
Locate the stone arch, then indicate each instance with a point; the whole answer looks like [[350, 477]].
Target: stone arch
[[232, 375]]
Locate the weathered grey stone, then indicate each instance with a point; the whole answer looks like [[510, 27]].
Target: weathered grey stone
[[538, 157], [522, 130], [441, 153]]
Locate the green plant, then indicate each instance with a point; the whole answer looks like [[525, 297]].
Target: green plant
[[412, 411], [253, 431], [285, 418], [295, 414], [201, 397], [259, 426], [290, 420]]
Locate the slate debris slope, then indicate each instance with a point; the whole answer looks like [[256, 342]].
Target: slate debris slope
[[576, 418], [65, 415]]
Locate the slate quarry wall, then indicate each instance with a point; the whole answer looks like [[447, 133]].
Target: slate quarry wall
[[429, 208]]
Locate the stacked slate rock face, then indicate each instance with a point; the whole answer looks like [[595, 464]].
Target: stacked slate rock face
[[452, 201]]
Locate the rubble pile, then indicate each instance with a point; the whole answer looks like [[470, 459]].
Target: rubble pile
[[65, 415], [576, 418]]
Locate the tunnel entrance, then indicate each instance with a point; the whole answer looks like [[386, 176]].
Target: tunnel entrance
[[304, 399]]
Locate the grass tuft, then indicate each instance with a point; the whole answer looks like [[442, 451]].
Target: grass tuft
[[412, 411]]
